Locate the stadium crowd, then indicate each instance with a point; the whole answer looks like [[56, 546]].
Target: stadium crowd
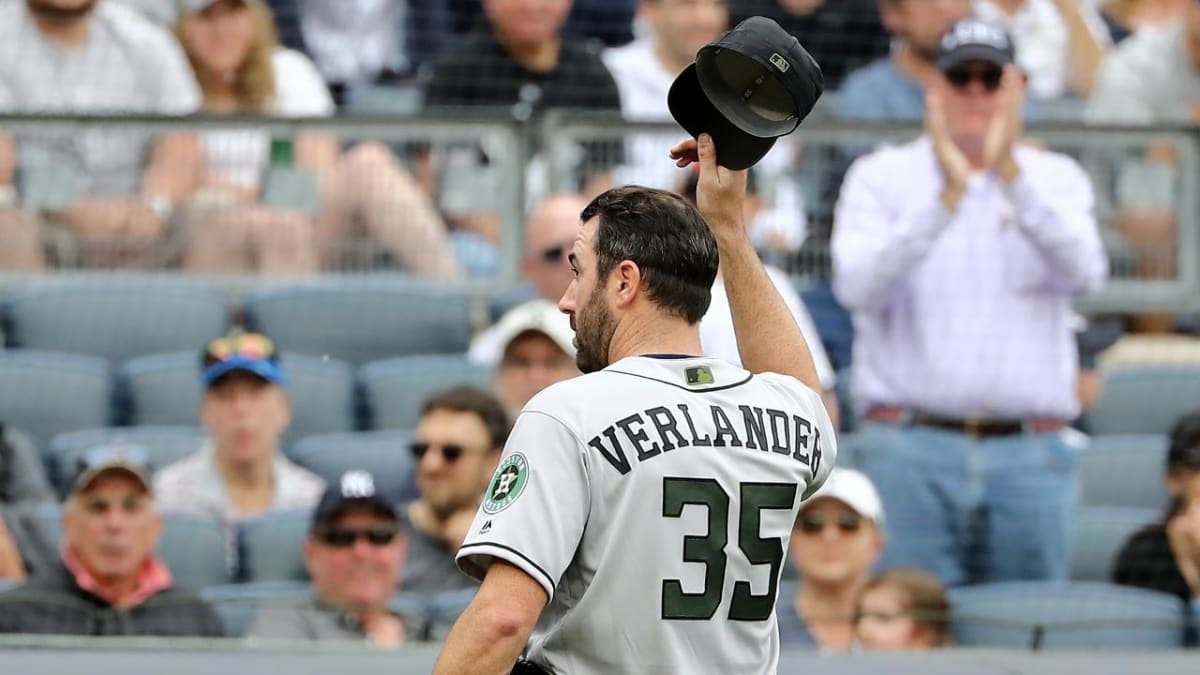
[[942, 324]]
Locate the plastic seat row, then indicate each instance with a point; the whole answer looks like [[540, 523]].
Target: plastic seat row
[[48, 393], [351, 319]]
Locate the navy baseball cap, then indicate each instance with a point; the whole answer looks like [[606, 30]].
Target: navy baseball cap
[[241, 352], [973, 39], [354, 490], [747, 88]]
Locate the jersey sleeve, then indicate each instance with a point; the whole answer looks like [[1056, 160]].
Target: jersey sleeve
[[534, 509]]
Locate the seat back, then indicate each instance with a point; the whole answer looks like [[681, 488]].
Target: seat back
[[1097, 535], [1071, 615], [385, 454], [271, 547], [396, 389], [1144, 399], [1124, 470], [48, 393]]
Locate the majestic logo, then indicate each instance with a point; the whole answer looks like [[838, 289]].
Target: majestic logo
[[487, 527], [780, 63], [508, 483]]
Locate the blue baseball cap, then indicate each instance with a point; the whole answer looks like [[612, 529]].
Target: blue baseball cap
[[242, 352]]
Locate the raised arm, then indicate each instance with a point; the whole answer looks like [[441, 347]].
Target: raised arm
[[769, 340]]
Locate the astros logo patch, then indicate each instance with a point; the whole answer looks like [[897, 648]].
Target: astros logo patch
[[507, 484]]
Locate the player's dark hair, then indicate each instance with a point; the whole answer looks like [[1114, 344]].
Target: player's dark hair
[[1183, 453], [465, 399], [666, 237]]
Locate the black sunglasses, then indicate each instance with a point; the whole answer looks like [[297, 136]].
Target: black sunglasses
[[450, 452], [342, 537], [960, 76], [813, 523], [554, 254]]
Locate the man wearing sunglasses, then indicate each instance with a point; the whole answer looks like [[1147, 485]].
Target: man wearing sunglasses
[[837, 538], [355, 556], [958, 255], [242, 471], [457, 445]]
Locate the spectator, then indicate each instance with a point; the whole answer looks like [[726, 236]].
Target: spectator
[[458, 442], [1060, 43], [108, 582], [902, 608], [242, 472], [549, 232], [958, 254], [233, 48], [1166, 557], [1152, 78], [355, 556], [840, 34], [72, 56], [518, 60], [538, 351], [838, 537], [893, 88], [364, 42]]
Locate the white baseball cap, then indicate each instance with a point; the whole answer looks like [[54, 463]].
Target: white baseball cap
[[541, 316], [852, 488]]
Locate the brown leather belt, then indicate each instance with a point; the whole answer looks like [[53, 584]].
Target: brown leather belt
[[975, 427]]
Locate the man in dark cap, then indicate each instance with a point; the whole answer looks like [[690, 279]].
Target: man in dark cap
[[958, 255], [355, 555], [109, 581]]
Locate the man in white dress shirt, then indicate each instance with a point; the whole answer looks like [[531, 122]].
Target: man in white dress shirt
[[958, 254]]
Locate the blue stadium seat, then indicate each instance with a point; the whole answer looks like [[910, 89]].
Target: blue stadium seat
[[396, 389], [116, 317], [48, 393], [164, 445], [236, 604], [1065, 615], [364, 320], [1097, 535], [165, 389], [271, 547], [1144, 399], [385, 454], [1124, 470], [193, 547]]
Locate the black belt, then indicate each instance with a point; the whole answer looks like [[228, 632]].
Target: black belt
[[976, 427]]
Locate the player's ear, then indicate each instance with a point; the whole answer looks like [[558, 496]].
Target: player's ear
[[627, 279]]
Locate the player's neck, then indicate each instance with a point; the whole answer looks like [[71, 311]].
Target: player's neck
[[654, 337]]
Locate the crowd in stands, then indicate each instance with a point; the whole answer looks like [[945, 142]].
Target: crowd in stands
[[944, 332]]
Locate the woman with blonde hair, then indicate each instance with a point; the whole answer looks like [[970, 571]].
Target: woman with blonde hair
[[903, 608], [234, 51]]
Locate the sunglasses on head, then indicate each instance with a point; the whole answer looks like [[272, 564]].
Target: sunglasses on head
[[450, 452], [344, 537], [989, 76], [246, 345], [813, 523]]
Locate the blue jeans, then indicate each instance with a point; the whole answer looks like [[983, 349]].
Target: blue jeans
[[972, 511]]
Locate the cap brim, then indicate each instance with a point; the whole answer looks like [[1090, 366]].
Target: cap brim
[[264, 368], [975, 52], [85, 479], [691, 108]]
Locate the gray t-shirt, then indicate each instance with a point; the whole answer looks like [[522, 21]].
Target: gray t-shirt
[[429, 566], [127, 64], [1149, 79], [311, 620]]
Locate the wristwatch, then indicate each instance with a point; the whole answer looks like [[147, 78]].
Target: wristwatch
[[161, 205], [8, 195]]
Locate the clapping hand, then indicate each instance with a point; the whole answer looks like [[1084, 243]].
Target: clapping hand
[[1005, 129]]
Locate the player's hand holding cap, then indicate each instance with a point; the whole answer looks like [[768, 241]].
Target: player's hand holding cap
[[747, 88]]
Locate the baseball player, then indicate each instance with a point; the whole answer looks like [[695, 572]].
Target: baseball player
[[642, 510]]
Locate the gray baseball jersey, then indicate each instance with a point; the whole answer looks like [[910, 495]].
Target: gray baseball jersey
[[654, 501]]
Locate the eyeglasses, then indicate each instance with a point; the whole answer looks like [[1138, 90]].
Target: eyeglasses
[[960, 76], [342, 537], [246, 345], [814, 523], [451, 452]]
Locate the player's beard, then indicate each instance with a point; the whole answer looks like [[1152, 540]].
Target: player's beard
[[50, 11], [594, 328]]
